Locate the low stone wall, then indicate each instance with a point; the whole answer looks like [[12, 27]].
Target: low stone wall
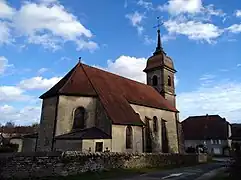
[[21, 165]]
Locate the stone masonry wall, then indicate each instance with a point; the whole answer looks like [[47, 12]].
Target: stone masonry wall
[[43, 164]]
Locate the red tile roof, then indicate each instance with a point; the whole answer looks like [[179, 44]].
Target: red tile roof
[[115, 92], [205, 127]]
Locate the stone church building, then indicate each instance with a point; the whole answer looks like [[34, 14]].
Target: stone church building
[[92, 110]]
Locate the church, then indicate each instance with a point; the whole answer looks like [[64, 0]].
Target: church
[[92, 110]]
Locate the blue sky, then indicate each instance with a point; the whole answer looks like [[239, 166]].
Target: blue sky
[[41, 40]]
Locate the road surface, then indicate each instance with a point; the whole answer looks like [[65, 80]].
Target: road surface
[[185, 173]]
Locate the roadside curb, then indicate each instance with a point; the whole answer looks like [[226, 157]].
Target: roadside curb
[[211, 174]]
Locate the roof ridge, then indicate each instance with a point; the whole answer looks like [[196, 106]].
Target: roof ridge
[[117, 75], [96, 91], [75, 68]]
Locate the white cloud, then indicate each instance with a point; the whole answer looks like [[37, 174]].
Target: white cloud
[[235, 28], [147, 5], [4, 64], [42, 70], [176, 7], [194, 30], [136, 19], [12, 93], [238, 13], [24, 116], [39, 83], [218, 97], [5, 10], [130, 67], [5, 33], [44, 24]]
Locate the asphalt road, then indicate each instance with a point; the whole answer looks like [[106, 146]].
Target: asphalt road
[[186, 173]]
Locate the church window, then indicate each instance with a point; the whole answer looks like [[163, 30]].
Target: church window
[[129, 137], [154, 80], [155, 124], [169, 81], [79, 118]]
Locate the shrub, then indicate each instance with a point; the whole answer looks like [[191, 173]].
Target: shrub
[[7, 148]]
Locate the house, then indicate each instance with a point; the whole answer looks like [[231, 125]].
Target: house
[[236, 135], [210, 131], [92, 110]]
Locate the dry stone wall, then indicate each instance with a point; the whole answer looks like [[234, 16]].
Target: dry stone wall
[[43, 164]]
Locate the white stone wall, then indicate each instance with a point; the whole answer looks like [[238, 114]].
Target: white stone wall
[[66, 107], [119, 139], [171, 124]]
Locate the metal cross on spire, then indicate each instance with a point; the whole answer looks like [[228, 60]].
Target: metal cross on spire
[[159, 46], [159, 24]]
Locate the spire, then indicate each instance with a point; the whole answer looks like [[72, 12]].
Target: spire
[[79, 59], [159, 45]]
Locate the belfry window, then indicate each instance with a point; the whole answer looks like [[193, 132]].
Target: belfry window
[[169, 81], [154, 80], [79, 118], [129, 137], [155, 124]]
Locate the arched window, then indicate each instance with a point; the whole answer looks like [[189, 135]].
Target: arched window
[[129, 137], [79, 118], [155, 124], [154, 80], [169, 81]]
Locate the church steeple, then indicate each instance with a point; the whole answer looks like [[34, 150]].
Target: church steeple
[[160, 71], [159, 44]]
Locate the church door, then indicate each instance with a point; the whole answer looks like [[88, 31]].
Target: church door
[[165, 148]]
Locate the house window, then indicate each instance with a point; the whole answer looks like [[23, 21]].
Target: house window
[[211, 141], [219, 142], [98, 146], [154, 80], [79, 118], [129, 137], [169, 81], [155, 124]]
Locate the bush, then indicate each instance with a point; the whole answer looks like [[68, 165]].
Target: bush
[[191, 150]]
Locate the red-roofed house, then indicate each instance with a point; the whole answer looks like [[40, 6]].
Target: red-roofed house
[[212, 131], [93, 110]]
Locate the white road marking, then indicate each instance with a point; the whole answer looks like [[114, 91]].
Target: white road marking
[[172, 175]]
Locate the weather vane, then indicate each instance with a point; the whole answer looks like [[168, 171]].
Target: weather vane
[[159, 24], [79, 59]]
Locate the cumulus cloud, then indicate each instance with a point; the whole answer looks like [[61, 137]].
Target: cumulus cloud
[[235, 28], [24, 116], [38, 83], [12, 93], [136, 19], [222, 97], [130, 67], [176, 7], [44, 24], [193, 30]]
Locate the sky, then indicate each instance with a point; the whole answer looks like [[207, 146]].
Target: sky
[[41, 40]]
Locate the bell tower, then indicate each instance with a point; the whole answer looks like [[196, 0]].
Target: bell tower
[[160, 71]]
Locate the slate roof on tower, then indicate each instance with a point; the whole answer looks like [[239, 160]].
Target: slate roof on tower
[[116, 93]]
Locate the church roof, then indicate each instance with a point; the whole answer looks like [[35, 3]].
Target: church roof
[[116, 93], [88, 133]]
